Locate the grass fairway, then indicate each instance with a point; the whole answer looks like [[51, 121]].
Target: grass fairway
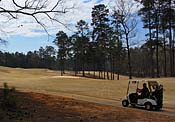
[[47, 80]]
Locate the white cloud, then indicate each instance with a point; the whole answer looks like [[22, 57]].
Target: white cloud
[[26, 26]]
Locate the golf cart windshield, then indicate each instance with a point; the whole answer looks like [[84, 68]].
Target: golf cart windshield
[[134, 84]]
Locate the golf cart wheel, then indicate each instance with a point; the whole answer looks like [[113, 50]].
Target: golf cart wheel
[[125, 103], [148, 106]]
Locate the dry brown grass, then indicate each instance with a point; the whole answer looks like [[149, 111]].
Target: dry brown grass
[[37, 107], [47, 80]]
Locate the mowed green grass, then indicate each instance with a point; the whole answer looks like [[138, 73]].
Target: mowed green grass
[[51, 81]]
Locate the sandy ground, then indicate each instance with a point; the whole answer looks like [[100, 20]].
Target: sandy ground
[[37, 107]]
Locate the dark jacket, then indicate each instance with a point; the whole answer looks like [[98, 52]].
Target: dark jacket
[[144, 92]]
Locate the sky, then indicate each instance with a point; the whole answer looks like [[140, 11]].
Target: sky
[[24, 34]]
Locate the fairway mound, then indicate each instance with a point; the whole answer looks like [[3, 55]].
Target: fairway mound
[[65, 77]]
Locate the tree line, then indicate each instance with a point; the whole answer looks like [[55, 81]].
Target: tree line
[[104, 45], [43, 58]]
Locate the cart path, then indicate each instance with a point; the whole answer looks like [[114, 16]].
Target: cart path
[[168, 109]]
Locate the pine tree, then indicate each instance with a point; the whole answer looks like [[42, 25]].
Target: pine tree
[[100, 23], [62, 42]]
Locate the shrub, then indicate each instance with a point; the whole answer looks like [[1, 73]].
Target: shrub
[[8, 99]]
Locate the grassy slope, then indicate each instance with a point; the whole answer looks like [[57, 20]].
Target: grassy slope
[[43, 79]]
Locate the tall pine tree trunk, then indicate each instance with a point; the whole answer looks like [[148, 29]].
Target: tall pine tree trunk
[[94, 65], [152, 50], [113, 72], [129, 57], [164, 52], [170, 41], [173, 58], [157, 44], [170, 46], [118, 62], [111, 66]]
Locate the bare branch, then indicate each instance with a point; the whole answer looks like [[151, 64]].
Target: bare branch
[[56, 20], [128, 23], [33, 8], [30, 5], [42, 25], [56, 5]]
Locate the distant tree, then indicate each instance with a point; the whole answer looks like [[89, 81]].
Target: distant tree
[[32, 59], [47, 57], [157, 15], [117, 36], [101, 31], [146, 12], [83, 42], [74, 49], [62, 41], [50, 56], [149, 47], [127, 20], [169, 15], [163, 31], [156, 26], [20, 60], [167, 19], [41, 54]]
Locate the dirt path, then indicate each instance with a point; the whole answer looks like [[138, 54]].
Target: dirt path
[[168, 109]]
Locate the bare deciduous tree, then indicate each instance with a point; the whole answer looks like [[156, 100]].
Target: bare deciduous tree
[[124, 14]]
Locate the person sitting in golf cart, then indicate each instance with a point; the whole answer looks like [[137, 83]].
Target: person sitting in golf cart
[[158, 89], [158, 92], [144, 92]]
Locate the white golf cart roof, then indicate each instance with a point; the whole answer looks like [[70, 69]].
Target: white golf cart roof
[[150, 82]]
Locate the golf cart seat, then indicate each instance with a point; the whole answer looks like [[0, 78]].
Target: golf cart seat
[[143, 97], [133, 97]]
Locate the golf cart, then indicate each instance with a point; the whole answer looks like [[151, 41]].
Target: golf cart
[[154, 99]]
